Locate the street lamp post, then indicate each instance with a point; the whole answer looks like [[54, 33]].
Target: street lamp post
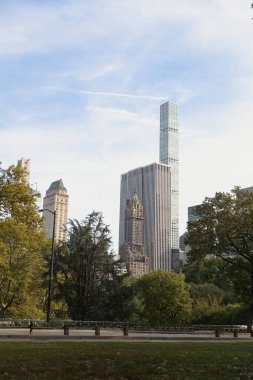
[[51, 265]]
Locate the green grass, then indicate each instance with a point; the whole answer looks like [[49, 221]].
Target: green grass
[[113, 360]]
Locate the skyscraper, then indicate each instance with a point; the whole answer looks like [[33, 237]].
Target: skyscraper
[[152, 186], [132, 250], [169, 129], [157, 187], [56, 199], [25, 163]]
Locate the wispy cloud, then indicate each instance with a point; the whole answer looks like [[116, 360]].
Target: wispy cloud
[[104, 93]]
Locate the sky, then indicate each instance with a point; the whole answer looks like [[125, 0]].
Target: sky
[[82, 82]]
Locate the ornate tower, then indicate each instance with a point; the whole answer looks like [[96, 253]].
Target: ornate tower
[[56, 199], [132, 250]]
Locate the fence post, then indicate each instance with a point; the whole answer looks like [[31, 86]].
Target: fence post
[[97, 330], [125, 331], [31, 327], [66, 330], [235, 333], [217, 333]]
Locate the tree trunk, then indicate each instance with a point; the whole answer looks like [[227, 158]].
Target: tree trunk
[[249, 318], [249, 312]]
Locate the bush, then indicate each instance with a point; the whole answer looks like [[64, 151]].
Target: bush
[[204, 313]]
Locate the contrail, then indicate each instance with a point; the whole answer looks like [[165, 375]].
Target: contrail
[[101, 93]]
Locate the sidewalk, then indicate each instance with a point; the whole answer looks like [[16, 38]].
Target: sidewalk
[[115, 335]]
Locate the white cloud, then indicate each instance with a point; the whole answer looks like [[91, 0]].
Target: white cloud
[[104, 93]]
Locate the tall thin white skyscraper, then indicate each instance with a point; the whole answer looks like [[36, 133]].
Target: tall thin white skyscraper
[[157, 187], [169, 155]]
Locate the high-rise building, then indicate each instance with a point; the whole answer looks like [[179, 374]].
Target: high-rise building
[[152, 184], [56, 199], [169, 136], [250, 189], [193, 213], [132, 250], [25, 163]]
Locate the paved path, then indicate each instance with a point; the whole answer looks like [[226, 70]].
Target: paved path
[[22, 334]]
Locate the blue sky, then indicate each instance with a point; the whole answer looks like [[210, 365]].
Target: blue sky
[[82, 82]]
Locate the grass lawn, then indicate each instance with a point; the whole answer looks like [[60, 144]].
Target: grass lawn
[[114, 360]]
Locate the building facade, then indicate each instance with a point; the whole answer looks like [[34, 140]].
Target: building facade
[[193, 213], [169, 155], [25, 163], [132, 250], [56, 199], [152, 184]]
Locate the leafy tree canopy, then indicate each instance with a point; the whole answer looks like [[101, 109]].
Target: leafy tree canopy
[[166, 298], [207, 292], [21, 243], [89, 280], [214, 271], [224, 230]]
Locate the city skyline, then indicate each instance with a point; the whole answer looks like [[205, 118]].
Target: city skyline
[[82, 83]]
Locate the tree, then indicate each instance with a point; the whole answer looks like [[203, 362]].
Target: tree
[[21, 243], [165, 297], [87, 278], [224, 230], [207, 292], [118, 299], [212, 270]]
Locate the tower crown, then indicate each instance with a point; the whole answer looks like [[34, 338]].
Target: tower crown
[[56, 185]]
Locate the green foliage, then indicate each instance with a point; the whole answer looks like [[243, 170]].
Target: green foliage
[[210, 270], [209, 306], [89, 280], [224, 230], [207, 292], [203, 311], [118, 299], [165, 297], [17, 198], [21, 244], [216, 314]]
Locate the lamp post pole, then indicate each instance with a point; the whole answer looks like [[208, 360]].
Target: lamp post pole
[[51, 265]]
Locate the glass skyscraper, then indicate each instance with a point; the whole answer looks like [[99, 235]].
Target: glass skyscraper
[[169, 129], [157, 188], [151, 183]]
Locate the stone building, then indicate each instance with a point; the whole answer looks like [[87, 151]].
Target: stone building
[[132, 249], [56, 200]]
